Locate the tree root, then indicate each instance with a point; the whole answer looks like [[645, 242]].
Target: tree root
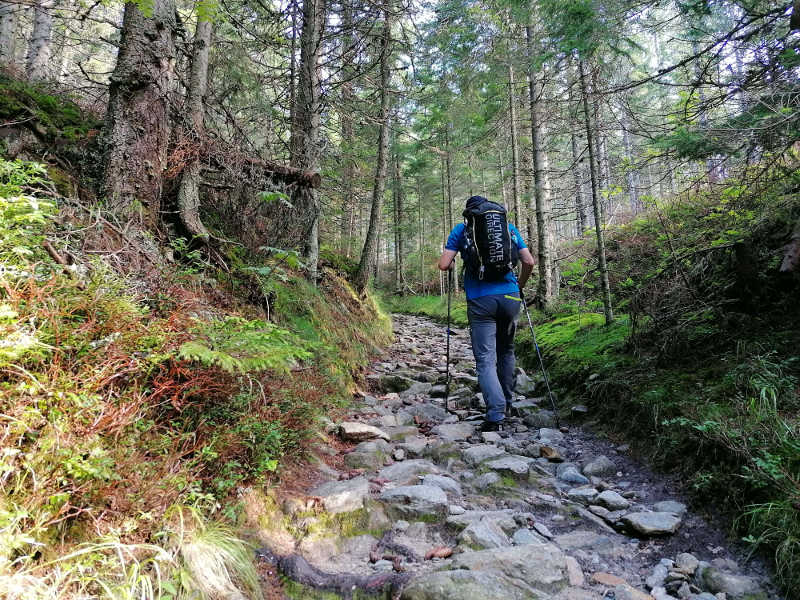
[[297, 568]]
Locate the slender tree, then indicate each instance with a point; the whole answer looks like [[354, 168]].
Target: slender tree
[[38, 62]]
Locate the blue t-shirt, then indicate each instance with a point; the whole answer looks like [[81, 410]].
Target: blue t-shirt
[[474, 287]]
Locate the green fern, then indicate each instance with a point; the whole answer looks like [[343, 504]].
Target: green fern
[[237, 345]]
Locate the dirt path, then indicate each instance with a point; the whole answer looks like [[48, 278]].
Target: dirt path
[[428, 509]]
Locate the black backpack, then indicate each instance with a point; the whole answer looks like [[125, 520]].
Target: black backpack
[[489, 252]]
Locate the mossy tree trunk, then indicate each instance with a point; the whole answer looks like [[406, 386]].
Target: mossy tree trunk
[[189, 189], [137, 128]]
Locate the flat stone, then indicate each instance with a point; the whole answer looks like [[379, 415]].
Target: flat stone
[[670, 506], [513, 466], [408, 471], [414, 446], [686, 563], [428, 412], [735, 587], [365, 460], [463, 585], [353, 431], [401, 432], [569, 473], [625, 591], [585, 540], [376, 445], [455, 509], [454, 432], [415, 502], [342, 496], [542, 418], [652, 523], [483, 534], [394, 383], [574, 572], [449, 485], [540, 567], [487, 480], [584, 495], [474, 455], [526, 536], [491, 437], [524, 407], [550, 436], [504, 519], [658, 577], [612, 500], [602, 465], [607, 579], [542, 529]]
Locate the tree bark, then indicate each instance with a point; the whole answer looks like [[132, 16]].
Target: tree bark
[[37, 63], [189, 188], [8, 32], [398, 209], [601, 244], [371, 243], [348, 170], [791, 255], [512, 108], [137, 127], [546, 290], [631, 176]]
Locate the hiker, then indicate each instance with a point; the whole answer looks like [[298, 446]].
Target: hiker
[[490, 247]]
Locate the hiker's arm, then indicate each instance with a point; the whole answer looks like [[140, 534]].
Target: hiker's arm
[[526, 258], [446, 260]]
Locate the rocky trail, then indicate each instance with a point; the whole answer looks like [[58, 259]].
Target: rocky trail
[[423, 507]]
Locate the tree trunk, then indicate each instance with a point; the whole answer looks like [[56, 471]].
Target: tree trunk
[[512, 107], [137, 127], [398, 209], [8, 32], [361, 279], [421, 236], [601, 244], [577, 175], [40, 44], [189, 189], [348, 170], [546, 290], [791, 255], [450, 199], [631, 176], [306, 134]]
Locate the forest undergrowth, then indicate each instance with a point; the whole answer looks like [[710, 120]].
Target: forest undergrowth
[[701, 367], [133, 410]]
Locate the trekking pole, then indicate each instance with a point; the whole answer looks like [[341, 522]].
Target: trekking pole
[[447, 381], [539, 354]]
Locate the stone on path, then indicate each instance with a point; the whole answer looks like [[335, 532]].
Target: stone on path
[[652, 523], [612, 500], [569, 473], [625, 591], [584, 495], [735, 587], [574, 572], [526, 536], [540, 568], [454, 432], [607, 579], [491, 437], [427, 412], [474, 455], [598, 467], [504, 519], [449, 485], [550, 436], [464, 585], [512, 466], [524, 407], [393, 383], [542, 418], [342, 496], [483, 534], [408, 471], [670, 506], [414, 446], [487, 480], [353, 431], [415, 502]]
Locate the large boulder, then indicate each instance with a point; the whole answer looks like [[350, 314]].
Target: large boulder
[[598, 467], [453, 432], [735, 587], [415, 502], [342, 496], [474, 455]]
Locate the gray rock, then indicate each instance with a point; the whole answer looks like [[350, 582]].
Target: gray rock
[[414, 446], [541, 568], [404, 418], [526, 536], [474, 455], [584, 495], [415, 502], [365, 460], [686, 563], [504, 519], [568, 472], [735, 587], [652, 523], [383, 565], [542, 530], [670, 506], [524, 407], [402, 432], [394, 383], [438, 391], [542, 418], [450, 486], [464, 585], [585, 539], [427, 412], [525, 385], [454, 432], [550, 436], [658, 577], [415, 389], [491, 437], [600, 466], [512, 466], [399, 454], [377, 445], [455, 509], [342, 496], [486, 480], [483, 534], [353, 431], [408, 471], [612, 500]]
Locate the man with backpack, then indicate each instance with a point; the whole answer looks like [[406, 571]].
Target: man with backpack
[[490, 247]]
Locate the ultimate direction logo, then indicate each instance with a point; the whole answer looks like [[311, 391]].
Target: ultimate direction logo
[[494, 233]]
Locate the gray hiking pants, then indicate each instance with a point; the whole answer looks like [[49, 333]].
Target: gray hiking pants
[[493, 323]]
